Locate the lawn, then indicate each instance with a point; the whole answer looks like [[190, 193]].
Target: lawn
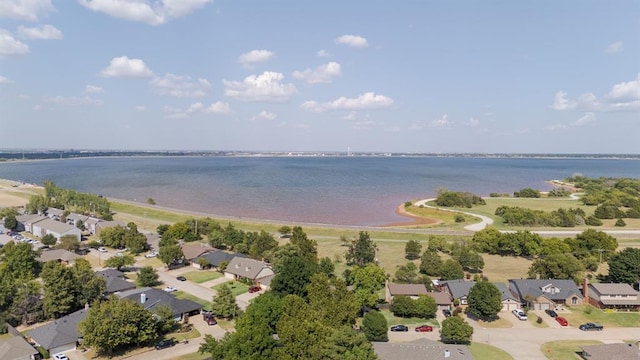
[[206, 305], [588, 313], [532, 318], [565, 350], [500, 323], [502, 268], [484, 351], [200, 276], [236, 287], [394, 320]]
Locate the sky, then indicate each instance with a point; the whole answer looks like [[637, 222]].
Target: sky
[[288, 75]]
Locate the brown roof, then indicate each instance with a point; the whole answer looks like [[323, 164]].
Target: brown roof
[[423, 349], [57, 254], [614, 289], [611, 351], [441, 298], [407, 289], [192, 251]]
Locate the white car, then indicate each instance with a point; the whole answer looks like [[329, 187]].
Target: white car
[[151, 255], [60, 357], [102, 249], [520, 314], [170, 289]]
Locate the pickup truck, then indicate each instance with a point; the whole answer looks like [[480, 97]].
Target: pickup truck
[[591, 326]]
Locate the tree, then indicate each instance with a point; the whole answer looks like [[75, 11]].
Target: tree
[[294, 276], [119, 262], [402, 306], [585, 243], [203, 263], [557, 266], [89, 285], [150, 201], [412, 250], [425, 307], [624, 267], [284, 230], [406, 274], [334, 305], [170, 254], [346, 343], [10, 222], [27, 303], [484, 300], [451, 270], [455, 330], [224, 303], [261, 243], [69, 243], [147, 276], [367, 282], [307, 247], [374, 326], [362, 250], [49, 239], [302, 335], [327, 266], [60, 290], [117, 323], [165, 319], [20, 260], [430, 263]]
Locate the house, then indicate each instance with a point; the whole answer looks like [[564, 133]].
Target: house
[[410, 290], [73, 218], [153, 240], [245, 268], [115, 281], [60, 335], [611, 351], [151, 299], [192, 251], [17, 348], [442, 299], [265, 282], [459, 289], [107, 224], [26, 222], [56, 228], [216, 257], [423, 349], [90, 225], [53, 213], [612, 296], [542, 294], [60, 255]]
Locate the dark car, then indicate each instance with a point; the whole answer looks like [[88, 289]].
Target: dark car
[[551, 313], [591, 327], [83, 251], [163, 344], [446, 312], [424, 328], [399, 328], [181, 278]]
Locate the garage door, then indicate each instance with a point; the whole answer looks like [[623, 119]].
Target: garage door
[[542, 306]]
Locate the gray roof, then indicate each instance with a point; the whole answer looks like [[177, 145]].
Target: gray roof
[[115, 280], [60, 332], [534, 288], [423, 349], [54, 212], [57, 254], [55, 226], [217, 256], [245, 267], [266, 281], [460, 288], [16, 348], [156, 297], [407, 289], [611, 351], [614, 289], [30, 218], [506, 294], [75, 217], [194, 250]]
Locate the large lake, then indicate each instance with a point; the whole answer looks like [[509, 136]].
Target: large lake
[[332, 190]]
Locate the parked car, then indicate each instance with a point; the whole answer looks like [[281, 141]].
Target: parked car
[[254, 289], [591, 327], [163, 344], [446, 312], [211, 321], [424, 328], [102, 249], [60, 357], [562, 321], [520, 314], [399, 328], [83, 251], [170, 289], [551, 313], [181, 278], [151, 255]]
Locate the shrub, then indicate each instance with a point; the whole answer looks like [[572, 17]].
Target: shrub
[[593, 221], [620, 223], [407, 203], [459, 218], [539, 320]]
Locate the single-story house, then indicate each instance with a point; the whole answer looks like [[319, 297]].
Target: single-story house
[[442, 299], [192, 251], [423, 349], [265, 282], [151, 298], [618, 351], [459, 289], [245, 268], [59, 255], [56, 228], [17, 348], [216, 257], [115, 281], [542, 294], [411, 290], [612, 296], [61, 335]]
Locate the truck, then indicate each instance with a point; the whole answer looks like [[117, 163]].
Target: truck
[[591, 327]]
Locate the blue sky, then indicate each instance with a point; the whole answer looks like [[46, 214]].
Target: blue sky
[[391, 76]]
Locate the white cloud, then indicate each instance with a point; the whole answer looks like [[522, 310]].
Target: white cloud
[[473, 122], [322, 74], [196, 108], [124, 67], [614, 47], [265, 87], [255, 56], [9, 46], [265, 115], [560, 102], [140, 108], [43, 32], [624, 96], [323, 53], [5, 80], [442, 123], [367, 100], [180, 86], [218, 107], [155, 12], [352, 40], [585, 119], [90, 89], [351, 115], [175, 113], [74, 101], [25, 9]]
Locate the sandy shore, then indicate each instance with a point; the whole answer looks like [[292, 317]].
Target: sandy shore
[[413, 220]]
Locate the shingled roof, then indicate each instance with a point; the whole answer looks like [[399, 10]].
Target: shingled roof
[[16, 348], [153, 298], [423, 349], [540, 287], [60, 332]]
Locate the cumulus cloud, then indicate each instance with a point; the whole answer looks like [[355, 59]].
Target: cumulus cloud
[[25, 9], [73, 100], [614, 47], [323, 53], [322, 74], [624, 96], [196, 108], [218, 107], [124, 67], [265, 115], [90, 89], [140, 108], [9, 46], [442, 123], [585, 119], [367, 100], [352, 40], [255, 56], [43, 32], [180, 86], [156, 12], [267, 87], [5, 80]]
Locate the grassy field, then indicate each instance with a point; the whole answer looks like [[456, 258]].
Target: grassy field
[[394, 320], [484, 351], [200, 276], [565, 350], [206, 305], [236, 287], [533, 319], [500, 323], [588, 313]]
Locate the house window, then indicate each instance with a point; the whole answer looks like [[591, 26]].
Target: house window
[[574, 300]]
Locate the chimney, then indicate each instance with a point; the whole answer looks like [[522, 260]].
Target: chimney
[[585, 290], [143, 298], [447, 354]]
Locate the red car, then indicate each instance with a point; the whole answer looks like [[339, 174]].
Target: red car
[[424, 328], [254, 289], [562, 321]]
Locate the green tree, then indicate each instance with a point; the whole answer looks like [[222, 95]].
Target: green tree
[[302, 335], [487, 240], [451, 270], [49, 239], [217, 349], [162, 228], [203, 263], [69, 243], [327, 267], [10, 222], [308, 248], [20, 260], [89, 285], [412, 250], [557, 266], [347, 344], [367, 282], [374, 326], [455, 330], [60, 290], [224, 303], [484, 300], [624, 266], [362, 250], [430, 263], [263, 242], [406, 274], [119, 262], [147, 276], [333, 303], [284, 230], [590, 241], [402, 306], [170, 254], [150, 201], [425, 307], [294, 276], [166, 322], [27, 304]]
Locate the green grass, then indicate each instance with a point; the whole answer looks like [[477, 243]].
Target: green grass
[[532, 318], [206, 305], [588, 313], [484, 351], [194, 356], [566, 349], [201, 276], [394, 320], [179, 336], [236, 287], [500, 323], [5, 336]]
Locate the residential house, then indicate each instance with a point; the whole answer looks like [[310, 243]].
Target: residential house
[[423, 349], [245, 268], [60, 255], [612, 296], [542, 294], [56, 228], [90, 225], [410, 290], [192, 251], [60, 335], [151, 299], [26, 222], [216, 257], [115, 281], [459, 289], [73, 218], [107, 224], [265, 282], [618, 351], [17, 348], [54, 213]]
